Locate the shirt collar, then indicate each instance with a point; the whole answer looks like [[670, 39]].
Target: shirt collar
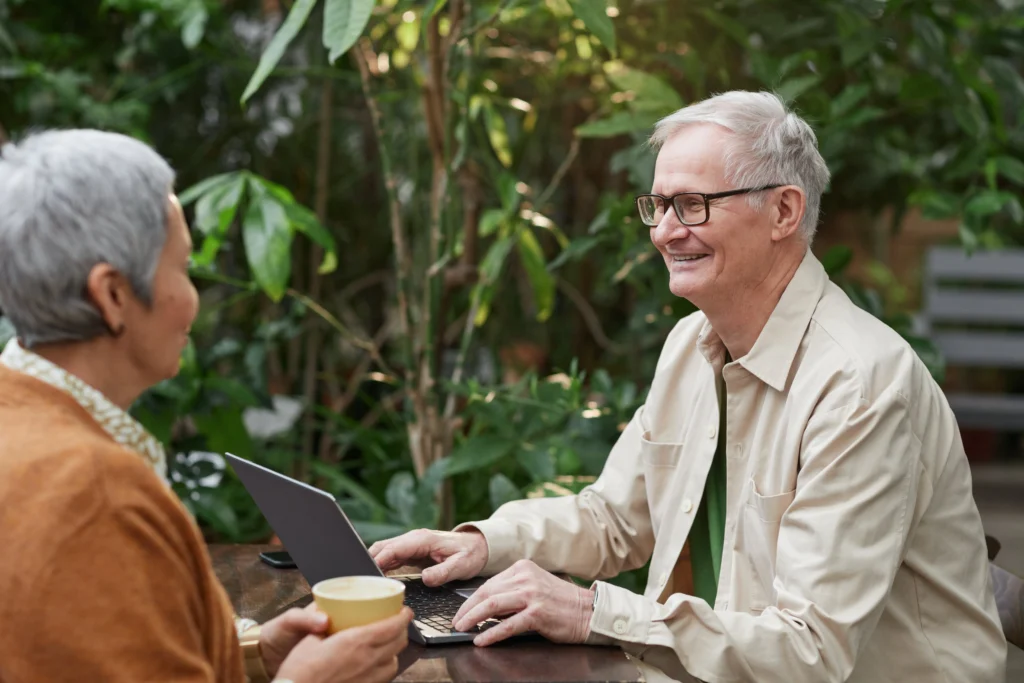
[[773, 353], [122, 427]]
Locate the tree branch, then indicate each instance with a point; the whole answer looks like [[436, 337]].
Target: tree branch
[[591, 320], [556, 180], [403, 267], [313, 339]]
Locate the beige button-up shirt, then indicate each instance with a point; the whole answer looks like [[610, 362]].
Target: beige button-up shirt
[[853, 548]]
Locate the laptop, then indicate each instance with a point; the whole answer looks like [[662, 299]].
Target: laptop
[[324, 544]]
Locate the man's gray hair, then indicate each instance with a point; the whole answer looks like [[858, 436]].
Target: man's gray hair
[[70, 200], [773, 146]]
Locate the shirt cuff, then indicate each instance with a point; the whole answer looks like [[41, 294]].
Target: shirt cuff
[[502, 544], [620, 616]]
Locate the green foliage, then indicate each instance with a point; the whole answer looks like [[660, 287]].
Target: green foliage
[[542, 144], [593, 15], [536, 435], [344, 22], [294, 22], [270, 219]]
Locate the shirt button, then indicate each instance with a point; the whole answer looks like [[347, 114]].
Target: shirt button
[[619, 627], [712, 431], [687, 505]]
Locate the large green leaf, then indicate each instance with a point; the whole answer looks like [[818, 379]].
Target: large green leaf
[[576, 250], [217, 208], [268, 238], [502, 491], [650, 93], [224, 431], [1011, 168], [433, 8], [476, 453], [936, 205], [595, 17], [272, 55], [193, 23], [535, 265], [539, 462], [985, 203], [344, 22], [849, 98], [215, 511], [306, 222], [791, 89], [202, 187], [497, 133], [618, 123], [6, 41], [494, 259]]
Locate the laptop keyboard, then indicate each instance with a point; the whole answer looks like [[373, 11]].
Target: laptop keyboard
[[436, 607]]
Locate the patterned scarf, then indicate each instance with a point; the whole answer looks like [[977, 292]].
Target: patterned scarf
[[122, 427]]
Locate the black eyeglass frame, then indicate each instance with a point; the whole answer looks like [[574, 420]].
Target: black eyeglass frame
[[707, 202]]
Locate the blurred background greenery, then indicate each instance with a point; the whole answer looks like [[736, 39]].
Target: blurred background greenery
[[423, 285]]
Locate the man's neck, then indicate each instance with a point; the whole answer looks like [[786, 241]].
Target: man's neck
[[739, 320], [99, 364]]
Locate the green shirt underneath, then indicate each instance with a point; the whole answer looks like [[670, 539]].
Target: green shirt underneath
[[708, 532]]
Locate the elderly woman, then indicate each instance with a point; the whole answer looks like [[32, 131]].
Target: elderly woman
[[106, 577]]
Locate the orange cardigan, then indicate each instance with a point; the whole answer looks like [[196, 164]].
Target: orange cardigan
[[103, 574]]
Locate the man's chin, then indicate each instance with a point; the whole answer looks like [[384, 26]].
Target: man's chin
[[684, 287]]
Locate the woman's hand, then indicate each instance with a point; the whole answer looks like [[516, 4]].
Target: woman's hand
[[365, 654]]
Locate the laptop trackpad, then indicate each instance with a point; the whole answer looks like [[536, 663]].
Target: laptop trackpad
[[467, 587]]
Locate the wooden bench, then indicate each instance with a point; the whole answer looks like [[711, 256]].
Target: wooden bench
[[974, 312]]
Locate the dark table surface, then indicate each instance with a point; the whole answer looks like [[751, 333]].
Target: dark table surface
[[260, 592]]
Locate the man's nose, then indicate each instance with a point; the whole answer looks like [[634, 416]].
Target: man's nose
[[670, 228]]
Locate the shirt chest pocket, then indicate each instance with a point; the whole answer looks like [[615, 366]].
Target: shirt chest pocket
[[756, 545], [662, 462]]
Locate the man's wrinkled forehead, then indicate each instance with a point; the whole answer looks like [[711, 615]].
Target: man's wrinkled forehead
[[692, 160]]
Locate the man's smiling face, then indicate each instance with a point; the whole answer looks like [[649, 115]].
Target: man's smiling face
[[729, 253]]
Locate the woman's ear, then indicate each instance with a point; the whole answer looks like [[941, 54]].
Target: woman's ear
[[110, 293], [790, 206]]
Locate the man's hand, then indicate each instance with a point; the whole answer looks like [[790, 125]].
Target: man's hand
[[367, 654], [537, 600], [457, 555], [282, 633]]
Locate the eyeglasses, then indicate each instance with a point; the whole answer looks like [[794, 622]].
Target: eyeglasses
[[692, 208]]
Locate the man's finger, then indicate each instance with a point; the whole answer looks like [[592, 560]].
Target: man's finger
[[451, 569], [494, 606], [506, 629], [491, 587], [398, 551]]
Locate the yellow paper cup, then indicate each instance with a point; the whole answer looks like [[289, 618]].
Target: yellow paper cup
[[358, 600]]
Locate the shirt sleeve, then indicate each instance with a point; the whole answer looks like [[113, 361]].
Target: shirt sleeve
[[120, 599], [840, 544], [604, 530]]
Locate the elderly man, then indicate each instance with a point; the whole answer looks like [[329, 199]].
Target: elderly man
[[796, 478]]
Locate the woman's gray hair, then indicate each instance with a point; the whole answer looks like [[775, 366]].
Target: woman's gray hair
[[70, 200], [773, 146]]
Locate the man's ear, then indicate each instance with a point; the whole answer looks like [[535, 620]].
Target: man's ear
[[110, 293], [790, 204]]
